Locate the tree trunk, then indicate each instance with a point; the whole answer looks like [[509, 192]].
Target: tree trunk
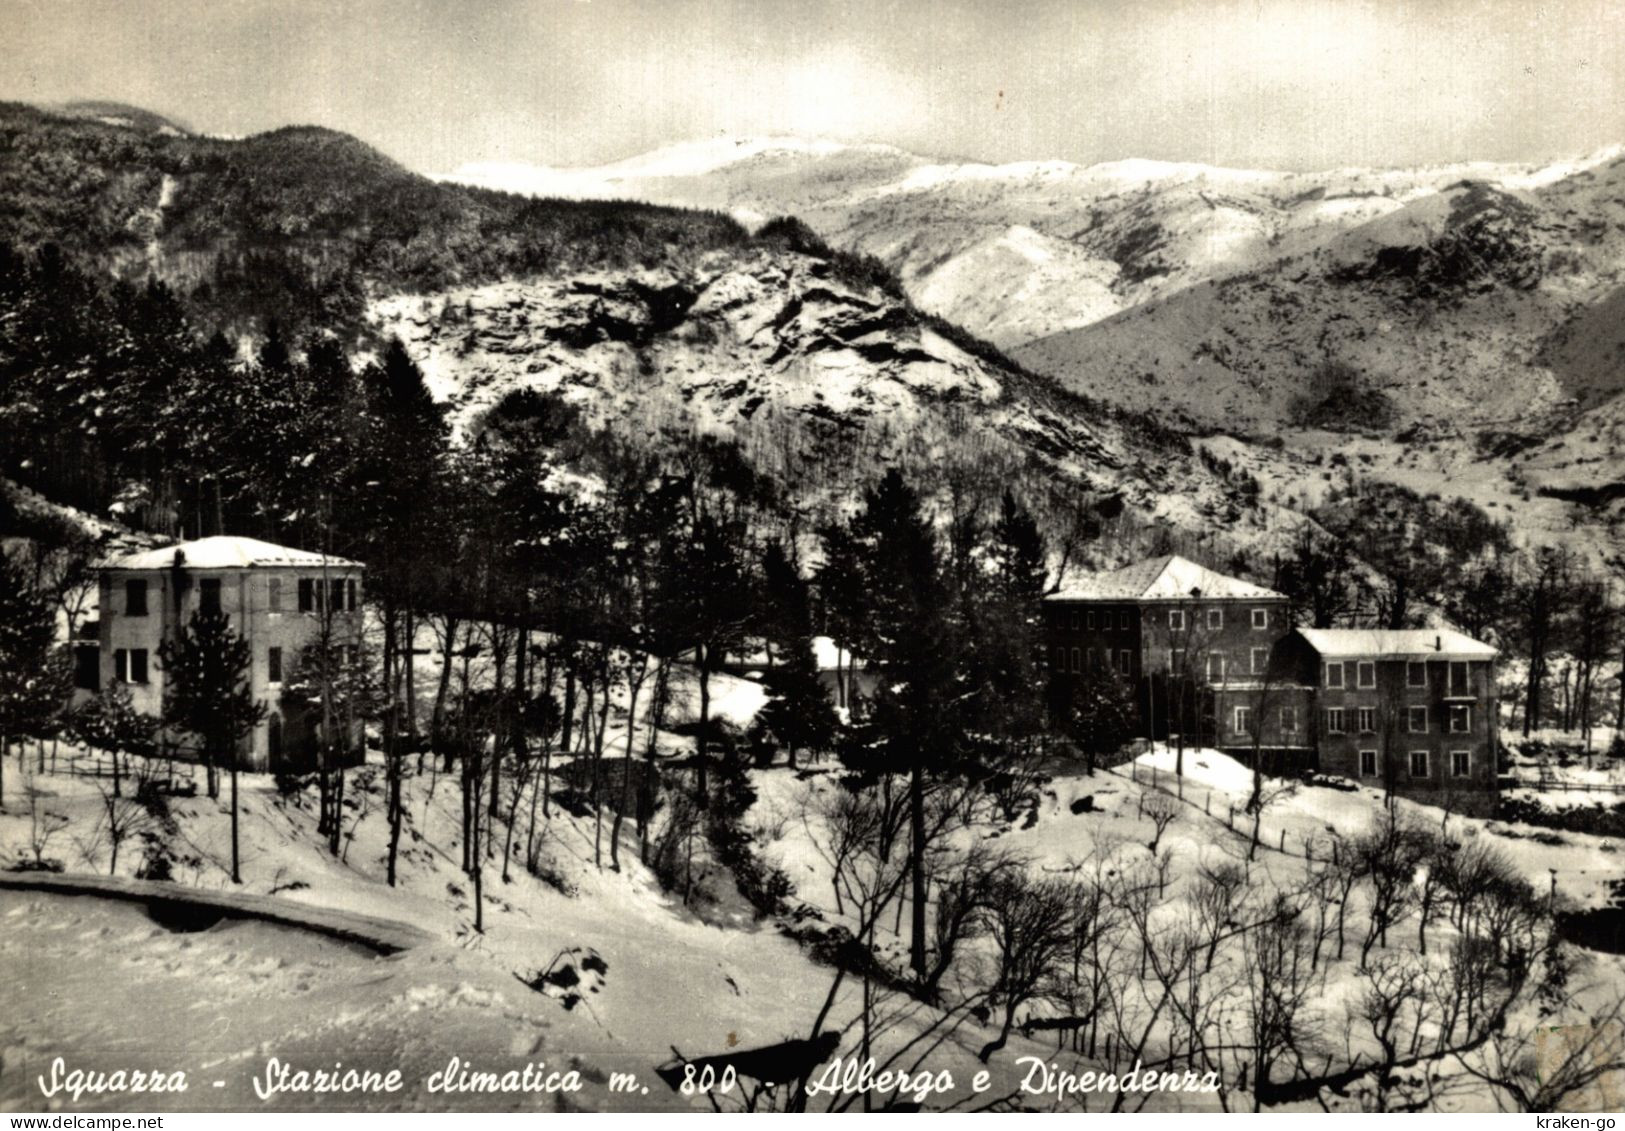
[[236, 874], [702, 739], [437, 717], [632, 686], [916, 866]]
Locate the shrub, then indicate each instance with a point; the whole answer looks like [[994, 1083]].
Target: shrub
[[1338, 400]]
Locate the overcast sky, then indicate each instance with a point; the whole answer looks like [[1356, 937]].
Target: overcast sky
[[1262, 83]]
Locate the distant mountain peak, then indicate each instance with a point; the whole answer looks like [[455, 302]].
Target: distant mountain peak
[[117, 114]]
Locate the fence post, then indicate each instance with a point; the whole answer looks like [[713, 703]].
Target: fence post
[[1182, 788], [1283, 840], [1207, 803], [1230, 818]]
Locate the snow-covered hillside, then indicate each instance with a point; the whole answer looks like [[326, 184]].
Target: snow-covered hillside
[[822, 381]]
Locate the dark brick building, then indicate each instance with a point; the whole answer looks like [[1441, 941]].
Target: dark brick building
[[1216, 659]]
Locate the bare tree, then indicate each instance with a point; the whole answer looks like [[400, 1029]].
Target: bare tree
[[1280, 982], [1030, 924], [1161, 810]]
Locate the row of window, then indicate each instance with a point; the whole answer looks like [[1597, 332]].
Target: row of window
[[1088, 659], [1461, 764], [1416, 675], [130, 665], [339, 594], [1215, 619], [1085, 619], [1243, 721], [1458, 719], [1215, 663], [1108, 620]]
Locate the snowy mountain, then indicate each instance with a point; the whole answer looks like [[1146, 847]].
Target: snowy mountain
[[1474, 306], [660, 323], [1015, 252], [1442, 302], [822, 380]]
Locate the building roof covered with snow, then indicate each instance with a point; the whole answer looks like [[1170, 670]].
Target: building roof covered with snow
[[229, 552], [1395, 644], [1170, 578]]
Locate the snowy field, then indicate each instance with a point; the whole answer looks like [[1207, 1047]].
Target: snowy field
[[651, 974]]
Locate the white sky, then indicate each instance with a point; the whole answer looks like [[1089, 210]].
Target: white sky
[[1261, 83]]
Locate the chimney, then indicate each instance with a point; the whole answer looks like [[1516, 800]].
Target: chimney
[[1438, 643]]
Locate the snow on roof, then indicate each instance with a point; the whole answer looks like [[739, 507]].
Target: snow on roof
[[1168, 578], [227, 552], [1391, 643]]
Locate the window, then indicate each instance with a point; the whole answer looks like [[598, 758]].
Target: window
[[135, 598], [1089, 663], [1461, 763], [1125, 621], [1289, 720], [1419, 763], [1458, 678], [1368, 763], [352, 588], [1125, 661], [1075, 620], [1334, 720], [1215, 665], [1244, 720], [273, 594], [352, 654], [1334, 675], [130, 665], [1089, 621], [1058, 658], [1261, 660], [1368, 720], [1416, 674], [1261, 618], [307, 595], [1077, 660], [1417, 720], [273, 665], [1176, 661], [1366, 673], [87, 668], [208, 595], [1215, 618], [1176, 620], [1461, 719]]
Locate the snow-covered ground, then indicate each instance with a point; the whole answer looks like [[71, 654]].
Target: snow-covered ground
[[701, 980]]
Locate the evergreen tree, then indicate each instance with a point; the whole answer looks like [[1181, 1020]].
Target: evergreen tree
[[206, 693], [34, 676], [917, 725], [799, 713], [707, 608], [111, 722]]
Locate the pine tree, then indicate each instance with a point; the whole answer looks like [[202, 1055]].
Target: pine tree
[[799, 714], [906, 634], [34, 678], [111, 722], [707, 608], [206, 693]]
